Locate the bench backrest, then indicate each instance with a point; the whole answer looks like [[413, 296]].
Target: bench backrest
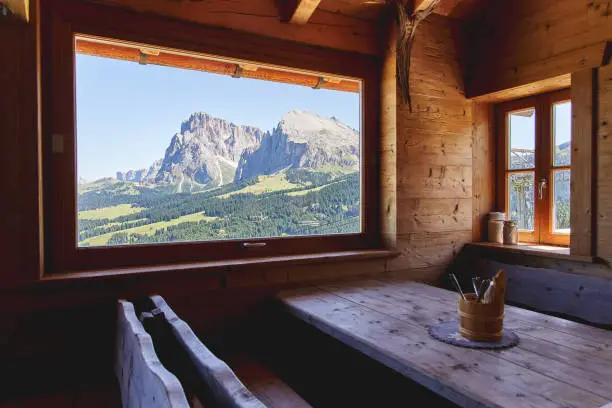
[[227, 389], [143, 380]]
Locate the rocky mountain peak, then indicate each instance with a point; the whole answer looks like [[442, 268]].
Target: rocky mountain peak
[[210, 151], [302, 140]]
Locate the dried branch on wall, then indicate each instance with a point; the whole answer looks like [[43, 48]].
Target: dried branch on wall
[[408, 22]]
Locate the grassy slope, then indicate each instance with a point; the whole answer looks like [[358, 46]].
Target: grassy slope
[[148, 229], [109, 212], [265, 184]]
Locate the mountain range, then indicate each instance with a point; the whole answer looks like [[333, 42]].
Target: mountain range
[[210, 151]]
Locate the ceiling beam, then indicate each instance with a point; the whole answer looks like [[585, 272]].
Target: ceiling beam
[[297, 11], [421, 5], [20, 8]]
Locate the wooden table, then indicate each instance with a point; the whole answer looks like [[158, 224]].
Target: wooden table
[[558, 363]]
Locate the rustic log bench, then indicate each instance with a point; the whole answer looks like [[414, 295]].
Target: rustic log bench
[[247, 384]]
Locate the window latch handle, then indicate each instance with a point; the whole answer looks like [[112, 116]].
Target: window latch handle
[[541, 187], [253, 244]]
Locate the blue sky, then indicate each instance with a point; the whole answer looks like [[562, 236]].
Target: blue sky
[[523, 128], [127, 113]]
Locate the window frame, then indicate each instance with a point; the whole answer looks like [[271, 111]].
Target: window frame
[[544, 166], [64, 19]]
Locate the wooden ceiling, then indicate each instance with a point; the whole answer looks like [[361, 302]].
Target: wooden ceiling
[[347, 25], [373, 9]]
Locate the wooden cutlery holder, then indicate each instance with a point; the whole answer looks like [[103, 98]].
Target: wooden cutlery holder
[[481, 321]]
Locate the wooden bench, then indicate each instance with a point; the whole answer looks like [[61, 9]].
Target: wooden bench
[[261, 387], [143, 380], [266, 386]]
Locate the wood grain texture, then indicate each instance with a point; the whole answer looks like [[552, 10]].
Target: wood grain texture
[[297, 11], [583, 151], [327, 29], [514, 43], [434, 156], [604, 164], [428, 249], [19, 7], [176, 59], [553, 366], [549, 290], [266, 386], [225, 386], [549, 70], [20, 230], [388, 139], [483, 167], [142, 378], [527, 90]]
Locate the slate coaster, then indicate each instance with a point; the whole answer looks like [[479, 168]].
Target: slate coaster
[[448, 332]]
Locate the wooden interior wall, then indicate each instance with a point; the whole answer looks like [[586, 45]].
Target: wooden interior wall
[[434, 156], [522, 41], [483, 167], [604, 164]]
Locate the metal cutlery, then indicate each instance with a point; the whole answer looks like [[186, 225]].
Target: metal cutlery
[[455, 283]]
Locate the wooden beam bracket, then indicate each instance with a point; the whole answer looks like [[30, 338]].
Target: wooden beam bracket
[[296, 11], [238, 72]]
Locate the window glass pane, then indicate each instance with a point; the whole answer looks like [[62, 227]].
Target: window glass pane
[[168, 154], [562, 133], [521, 199], [561, 202], [521, 139]]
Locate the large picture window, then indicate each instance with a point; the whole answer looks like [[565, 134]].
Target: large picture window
[[534, 159], [223, 150], [164, 150]]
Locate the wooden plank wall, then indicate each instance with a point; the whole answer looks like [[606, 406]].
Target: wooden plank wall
[[604, 164], [517, 42], [18, 127], [483, 167], [434, 156]]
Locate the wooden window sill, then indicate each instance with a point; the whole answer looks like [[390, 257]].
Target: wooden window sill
[[228, 264], [548, 251]]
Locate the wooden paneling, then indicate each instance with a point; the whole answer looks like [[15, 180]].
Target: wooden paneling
[[435, 214], [428, 249], [604, 164], [527, 90], [434, 156], [327, 29], [518, 42], [571, 287], [388, 142], [494, 80], [19, 227], [483, 167], [583, 162]]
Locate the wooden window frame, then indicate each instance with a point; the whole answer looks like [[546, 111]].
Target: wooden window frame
[[544, 167], [63, 19]]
